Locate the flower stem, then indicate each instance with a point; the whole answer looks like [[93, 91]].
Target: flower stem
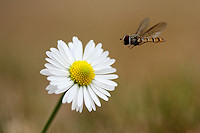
[[52, 115]]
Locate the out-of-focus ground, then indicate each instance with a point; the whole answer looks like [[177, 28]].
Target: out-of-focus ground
[[158, 88]]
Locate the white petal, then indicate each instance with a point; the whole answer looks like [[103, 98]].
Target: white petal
[[87, 99], [71, 48], [54, 63], [59, 72], [105, 71], [110, 76], [59, 57], [55, 58], [80, 97], [61, 48], [77, 108], [69, 95], [67, 52], [99, 45], [48, 53], [56, 54], [66, 84], [51, 91], [102, 90], [64, 99], [106, 81], [78, 48], [72, 94], [49, 87], [104, 64], [88, 49], [60, 82], [92, 104], [81, 108], [56, 78], [75, 40], [74, 104], [100, 58], [58, 91], [102, 85], [74, 101], [52, 67], [94, 54], [94, 96], [45, 72], [101, 95]]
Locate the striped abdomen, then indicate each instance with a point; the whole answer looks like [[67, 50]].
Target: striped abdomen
[[150, 39]]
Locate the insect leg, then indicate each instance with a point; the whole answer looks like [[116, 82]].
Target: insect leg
[[141, 43], [131, 47]]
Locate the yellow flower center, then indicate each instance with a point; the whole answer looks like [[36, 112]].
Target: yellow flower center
[[82, 73]]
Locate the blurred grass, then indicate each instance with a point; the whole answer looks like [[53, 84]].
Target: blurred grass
[[158, 88]]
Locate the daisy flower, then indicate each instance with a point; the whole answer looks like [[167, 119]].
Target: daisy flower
[[83, 75]]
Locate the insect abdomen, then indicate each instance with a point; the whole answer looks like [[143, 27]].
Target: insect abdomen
[[157, 39], [151, 39]]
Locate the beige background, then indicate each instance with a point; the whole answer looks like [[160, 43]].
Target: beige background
[[158, 84]]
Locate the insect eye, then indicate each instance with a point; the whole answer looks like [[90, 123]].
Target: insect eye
[[126, 40]]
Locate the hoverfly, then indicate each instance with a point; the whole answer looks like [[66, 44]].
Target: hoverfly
[[142, 36]]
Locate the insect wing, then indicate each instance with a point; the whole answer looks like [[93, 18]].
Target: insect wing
[[155, 30], [143, 25]]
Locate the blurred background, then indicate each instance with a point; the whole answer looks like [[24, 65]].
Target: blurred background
[[158, 85]]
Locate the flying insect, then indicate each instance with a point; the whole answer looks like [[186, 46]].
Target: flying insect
[[141, 36]]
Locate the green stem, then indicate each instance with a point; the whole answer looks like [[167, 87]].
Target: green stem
[[52, 115]]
